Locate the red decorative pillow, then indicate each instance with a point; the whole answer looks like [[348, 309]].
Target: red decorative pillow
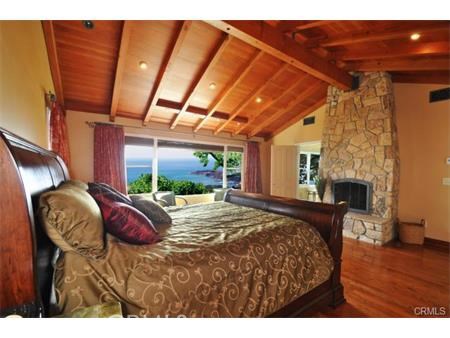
[[109, 192], [126, 222]]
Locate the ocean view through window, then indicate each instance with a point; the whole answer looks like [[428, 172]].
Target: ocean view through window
[[138, 161], [185, 168]]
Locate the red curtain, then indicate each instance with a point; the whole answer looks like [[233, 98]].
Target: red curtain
[[253, 169], [59, 138], [109, 157]]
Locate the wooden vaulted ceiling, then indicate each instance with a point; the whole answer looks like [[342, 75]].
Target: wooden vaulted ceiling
[[267, 74]]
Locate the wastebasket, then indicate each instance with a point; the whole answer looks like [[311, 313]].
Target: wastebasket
[[412, 233]]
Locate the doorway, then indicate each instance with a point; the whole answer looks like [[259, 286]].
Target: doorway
[[308, 169]]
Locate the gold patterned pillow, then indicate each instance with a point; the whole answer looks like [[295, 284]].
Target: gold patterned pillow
[[73, 221]]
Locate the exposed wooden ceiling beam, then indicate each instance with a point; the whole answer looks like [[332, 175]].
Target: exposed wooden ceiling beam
[[203, 73], [250, 98], [266, 105], [165, 68], [271, 102], [235, 81], [123, 49], [50, 41], [274, 42], [312, 24], [403, 50], [300, 98], [387, 65], [422, 77], [299, 116], [90, 108], [371, 36], [290, 25], [297, 25], [322, 52], [198, 110]]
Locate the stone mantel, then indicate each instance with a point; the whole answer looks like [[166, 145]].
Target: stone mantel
[[360, 142]]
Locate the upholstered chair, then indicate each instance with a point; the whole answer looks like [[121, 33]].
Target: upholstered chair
[[167, 198], [219, 193]]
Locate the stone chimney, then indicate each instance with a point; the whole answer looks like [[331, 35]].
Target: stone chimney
[[360, 142]]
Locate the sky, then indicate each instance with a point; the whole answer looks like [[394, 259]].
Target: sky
[[164, 153]]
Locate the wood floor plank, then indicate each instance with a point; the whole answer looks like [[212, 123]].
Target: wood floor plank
[[391, 281]]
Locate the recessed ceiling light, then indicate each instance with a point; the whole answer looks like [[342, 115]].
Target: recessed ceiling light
[[212, 86], [415, 36], [88, 24], [143, 65], [258, 100]]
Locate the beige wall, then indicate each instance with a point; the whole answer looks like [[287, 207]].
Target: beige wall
[[24, 78], [424, 140], [81, 138], [295, 134], [298, 133]]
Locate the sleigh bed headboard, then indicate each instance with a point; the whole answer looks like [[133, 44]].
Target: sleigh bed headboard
[[26, 253]]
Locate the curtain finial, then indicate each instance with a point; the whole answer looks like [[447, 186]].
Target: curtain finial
[[50, 98]]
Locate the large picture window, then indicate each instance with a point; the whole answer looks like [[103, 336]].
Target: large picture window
[[183, 167]]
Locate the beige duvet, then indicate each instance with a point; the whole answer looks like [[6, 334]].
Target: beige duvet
[[216, 260]]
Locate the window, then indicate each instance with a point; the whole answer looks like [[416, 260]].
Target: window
[[139, 162], [183, 167], [308, 167], [234, 167], [197, 167]]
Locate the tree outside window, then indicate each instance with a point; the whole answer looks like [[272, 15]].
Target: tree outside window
[[308, 167], [234, 165]]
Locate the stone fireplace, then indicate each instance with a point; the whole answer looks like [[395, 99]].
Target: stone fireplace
[[360, 157]]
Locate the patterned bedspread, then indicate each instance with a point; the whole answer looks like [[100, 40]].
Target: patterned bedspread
[[216, 260]]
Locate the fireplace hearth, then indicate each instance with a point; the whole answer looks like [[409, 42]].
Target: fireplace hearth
[[357, 193]]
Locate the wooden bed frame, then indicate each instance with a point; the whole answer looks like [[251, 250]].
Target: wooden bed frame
[[26, 253]]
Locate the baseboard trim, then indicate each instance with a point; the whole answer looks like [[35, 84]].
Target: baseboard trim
[[437, 244]]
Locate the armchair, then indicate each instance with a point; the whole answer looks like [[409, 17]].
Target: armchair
[[167, 198]]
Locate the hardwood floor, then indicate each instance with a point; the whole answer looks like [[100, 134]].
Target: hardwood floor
[[396, 280]]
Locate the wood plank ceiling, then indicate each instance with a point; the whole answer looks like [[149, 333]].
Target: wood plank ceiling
[[253, 78]]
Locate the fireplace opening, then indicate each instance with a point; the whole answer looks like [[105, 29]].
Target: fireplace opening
[[357, 193]]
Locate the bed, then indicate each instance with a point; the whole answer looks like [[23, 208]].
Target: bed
[[248, 256]]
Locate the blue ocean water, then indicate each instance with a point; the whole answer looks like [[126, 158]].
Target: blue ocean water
[[176, 169]]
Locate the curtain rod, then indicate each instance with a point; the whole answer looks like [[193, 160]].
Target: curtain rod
[[92, 124]]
